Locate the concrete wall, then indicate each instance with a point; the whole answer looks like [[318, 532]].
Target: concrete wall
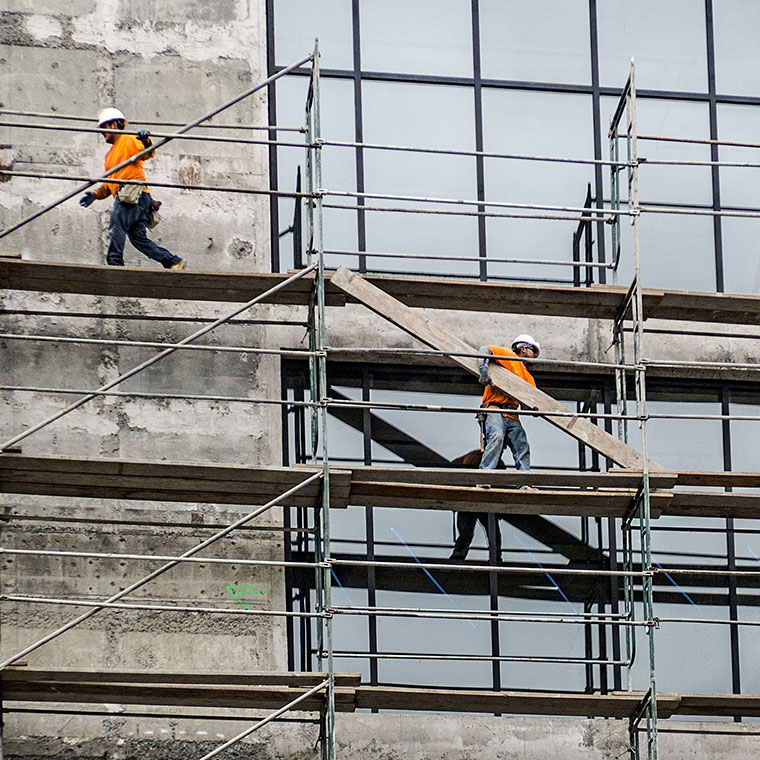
[[157, 62]]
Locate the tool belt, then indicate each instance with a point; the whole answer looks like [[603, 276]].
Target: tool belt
[[130, 193], [153, 216], [481, 418]]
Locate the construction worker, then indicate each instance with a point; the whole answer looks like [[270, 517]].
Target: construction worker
[[131, 211], [505, 429], [498, 430]]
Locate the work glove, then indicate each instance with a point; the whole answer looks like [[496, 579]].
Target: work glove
[[86, 199], [144, 137], [483, 377]]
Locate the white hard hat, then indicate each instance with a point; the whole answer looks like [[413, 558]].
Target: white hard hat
[[527, 340], [110, 114]]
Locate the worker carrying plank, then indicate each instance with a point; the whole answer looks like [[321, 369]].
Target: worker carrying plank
[[498, 430], [133, 205]]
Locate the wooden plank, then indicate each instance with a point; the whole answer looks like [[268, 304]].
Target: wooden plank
[[713, 504], [145, 480], [501, 500], [462, 476], [149, 282], [435, 336], [723, 479], [505, 702], [597, 302], [729, 705], [271, 690], [19, 674], [247, 697]]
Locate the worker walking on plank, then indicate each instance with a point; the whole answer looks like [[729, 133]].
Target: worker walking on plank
[[498, 430], [132, 206]]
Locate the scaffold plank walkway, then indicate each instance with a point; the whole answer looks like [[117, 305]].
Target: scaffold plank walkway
[[554, 491], [162, 481], [596, 302], [272, 690]]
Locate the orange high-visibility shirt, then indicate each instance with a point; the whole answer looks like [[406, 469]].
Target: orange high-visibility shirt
[[492, 396], [125, 147]]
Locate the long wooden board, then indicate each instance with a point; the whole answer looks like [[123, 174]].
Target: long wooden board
[[435, 336], [597, 302], [163, 481], [263, 691], [559, 492]]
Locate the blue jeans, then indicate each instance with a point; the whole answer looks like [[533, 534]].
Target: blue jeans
[[131, 220], [503, 431]]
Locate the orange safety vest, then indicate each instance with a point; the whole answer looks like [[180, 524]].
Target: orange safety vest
[[493, 396], [124, 148]]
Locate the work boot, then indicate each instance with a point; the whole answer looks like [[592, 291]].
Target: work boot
[[181, 264]]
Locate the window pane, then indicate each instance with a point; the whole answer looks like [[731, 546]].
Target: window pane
[[298, 22], [667, 41], [438, 117], [423, 37], [735, 26], [741, 259], [745, 455], [535, 40], [338, 164], [738, 185], [535, 124], [677, 252]]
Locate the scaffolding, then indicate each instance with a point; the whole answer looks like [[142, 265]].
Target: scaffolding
[[635, 495]]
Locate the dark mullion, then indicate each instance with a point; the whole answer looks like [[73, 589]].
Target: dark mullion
[[361, 222], [274, 211], [287, 524], [369, 522], [601, 628], [494, 551], [511, 84], [479, 160], [596, 107], [714, 149], [733, 604], [614, 580]]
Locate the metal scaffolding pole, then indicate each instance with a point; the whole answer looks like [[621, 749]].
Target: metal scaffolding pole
[[632, 309]]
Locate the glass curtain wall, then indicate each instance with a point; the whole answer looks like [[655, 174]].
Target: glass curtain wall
[[523, 78], [518, 80]]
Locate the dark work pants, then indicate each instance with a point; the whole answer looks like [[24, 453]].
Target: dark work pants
[[131, 220], [466, 522]]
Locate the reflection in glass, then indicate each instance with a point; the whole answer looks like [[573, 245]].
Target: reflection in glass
[[423, 37], [667, 40], [536, 41]]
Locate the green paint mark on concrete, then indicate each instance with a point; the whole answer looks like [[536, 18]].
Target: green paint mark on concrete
[[238, 593]]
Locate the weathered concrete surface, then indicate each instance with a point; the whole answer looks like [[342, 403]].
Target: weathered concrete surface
[[378, 737], [141, 639]]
